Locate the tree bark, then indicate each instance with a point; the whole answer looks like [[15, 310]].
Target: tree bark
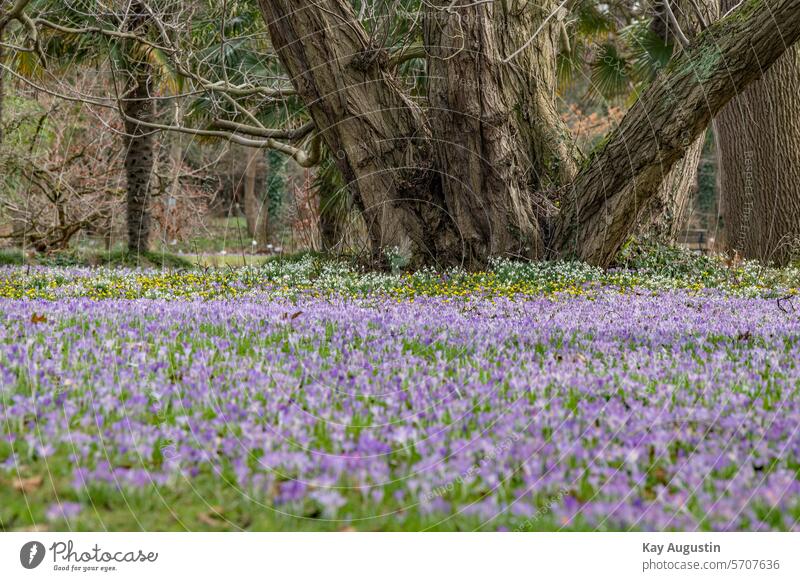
[[665, 214], [256, 211], [663, 217], [499, 142], [138, 160], [758, 144]]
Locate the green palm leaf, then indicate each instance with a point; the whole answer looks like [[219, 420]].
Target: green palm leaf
[[610, 72], [649, 53]]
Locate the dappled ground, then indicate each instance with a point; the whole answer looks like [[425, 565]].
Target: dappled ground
[[308, 396]]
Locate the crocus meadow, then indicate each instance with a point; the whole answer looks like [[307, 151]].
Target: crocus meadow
[[585, 407]]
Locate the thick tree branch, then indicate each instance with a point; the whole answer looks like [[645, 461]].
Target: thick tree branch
[[605, 199], [415, 51]]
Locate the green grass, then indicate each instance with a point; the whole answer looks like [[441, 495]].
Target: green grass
[[11, 257], [221, 234], [149, 258], [207, 503], [121, 257], [224, 260]]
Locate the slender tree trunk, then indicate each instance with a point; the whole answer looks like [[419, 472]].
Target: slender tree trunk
[[139, 156], [138, 106], [256, 211], [758, 144], [176, 160]]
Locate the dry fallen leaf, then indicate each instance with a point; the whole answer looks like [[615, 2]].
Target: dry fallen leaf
[[208, 520], [37, 528], [213, 518], [28, 484]]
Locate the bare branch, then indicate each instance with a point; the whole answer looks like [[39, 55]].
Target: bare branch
[[287, 134], [97, 30], [303, 158]]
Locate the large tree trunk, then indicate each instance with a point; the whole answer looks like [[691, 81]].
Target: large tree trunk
[[758, 145], [428, 186], [137, 107], [374, 131], [498, 140], [256, 210]]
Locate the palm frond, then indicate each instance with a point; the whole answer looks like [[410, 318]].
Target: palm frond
[[570, 64], [649, 53], [590, 21], [610, 72]]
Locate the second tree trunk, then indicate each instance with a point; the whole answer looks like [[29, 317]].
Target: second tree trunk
[[758, 144]]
